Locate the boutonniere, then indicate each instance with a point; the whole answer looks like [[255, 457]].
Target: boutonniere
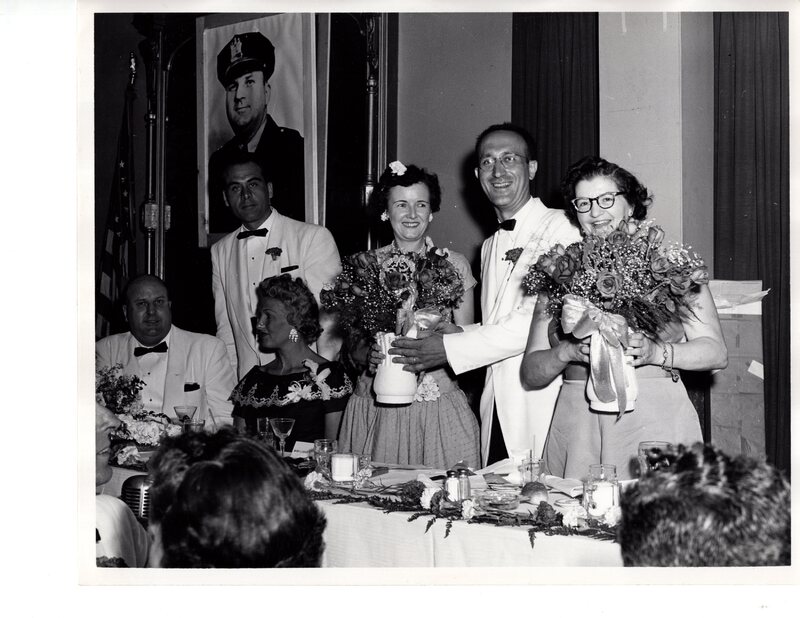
[[512, 255], [275, 252]]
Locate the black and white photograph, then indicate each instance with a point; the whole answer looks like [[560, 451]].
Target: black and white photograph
[[420, 296]]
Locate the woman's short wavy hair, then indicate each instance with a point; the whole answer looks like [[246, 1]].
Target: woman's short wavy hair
[[379, 200], [303, 311], [223, 500], [707, 509], [591, 167]]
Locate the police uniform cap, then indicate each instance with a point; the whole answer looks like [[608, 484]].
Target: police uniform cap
[[246, 52]]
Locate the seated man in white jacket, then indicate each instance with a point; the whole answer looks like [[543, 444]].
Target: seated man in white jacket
[[512, 420], [178, 367]]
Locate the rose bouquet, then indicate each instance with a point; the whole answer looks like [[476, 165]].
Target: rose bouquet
[[373, 286], [605, 286]]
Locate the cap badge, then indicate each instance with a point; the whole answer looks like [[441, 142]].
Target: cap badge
[[236, 49]]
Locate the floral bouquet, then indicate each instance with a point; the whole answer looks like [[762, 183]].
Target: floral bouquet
[[606, 286], [373, 286], [140, 429]]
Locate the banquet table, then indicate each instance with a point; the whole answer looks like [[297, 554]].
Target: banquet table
[[360, 535]]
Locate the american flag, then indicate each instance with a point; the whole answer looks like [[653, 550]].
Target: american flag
[[118, 255]]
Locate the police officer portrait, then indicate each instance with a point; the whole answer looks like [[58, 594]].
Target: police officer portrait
[[254, 102]]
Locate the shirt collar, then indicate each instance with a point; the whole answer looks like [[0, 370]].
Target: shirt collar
[[253, 143], [266, 224]]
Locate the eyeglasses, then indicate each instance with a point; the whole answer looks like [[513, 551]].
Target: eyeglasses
[[506, 160], [604, 200]]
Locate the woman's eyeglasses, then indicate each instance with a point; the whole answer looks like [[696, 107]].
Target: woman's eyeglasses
[[604, 200]]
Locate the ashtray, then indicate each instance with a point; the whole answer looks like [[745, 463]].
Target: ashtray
[[503, 500]]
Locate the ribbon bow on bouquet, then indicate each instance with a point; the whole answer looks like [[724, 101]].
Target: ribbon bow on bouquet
[[609, 333]]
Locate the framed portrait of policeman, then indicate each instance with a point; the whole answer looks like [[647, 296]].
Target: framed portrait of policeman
[[259, 85]]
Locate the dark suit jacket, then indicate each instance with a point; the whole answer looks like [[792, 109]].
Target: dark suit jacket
[[281, 153]]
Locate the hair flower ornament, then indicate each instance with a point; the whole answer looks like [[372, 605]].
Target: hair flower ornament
[[398, 169]]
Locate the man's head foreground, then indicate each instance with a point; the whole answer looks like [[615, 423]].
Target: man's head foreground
[[707, 509]]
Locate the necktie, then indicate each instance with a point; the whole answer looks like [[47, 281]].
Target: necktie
[[160, 348], [249, 233], [508, 224]]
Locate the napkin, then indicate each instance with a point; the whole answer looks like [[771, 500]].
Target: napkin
[[571, 487], [302, 450]]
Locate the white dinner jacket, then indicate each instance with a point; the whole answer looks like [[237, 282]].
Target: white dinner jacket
[[194, 358], [308, 251], [499, 341]]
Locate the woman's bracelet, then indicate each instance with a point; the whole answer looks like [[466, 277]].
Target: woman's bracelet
[[670, 354]]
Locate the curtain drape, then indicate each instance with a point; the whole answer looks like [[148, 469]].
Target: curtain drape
[[751, 189], [554, 92]]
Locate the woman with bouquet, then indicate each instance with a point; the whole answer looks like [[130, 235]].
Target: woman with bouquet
[[298, 383], [646, 302], [438, 428]]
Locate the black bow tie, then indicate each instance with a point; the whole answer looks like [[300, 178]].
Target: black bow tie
[[160, 348], [508, 224], [249, 233]]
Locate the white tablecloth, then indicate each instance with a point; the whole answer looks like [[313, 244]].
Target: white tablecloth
[[359, 535]]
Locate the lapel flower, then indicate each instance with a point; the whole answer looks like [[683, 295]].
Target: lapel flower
[[398, 169], [512, 255], [275, 252]]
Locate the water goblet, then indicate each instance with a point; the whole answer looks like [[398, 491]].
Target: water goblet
[[648, 456], [282, 428]]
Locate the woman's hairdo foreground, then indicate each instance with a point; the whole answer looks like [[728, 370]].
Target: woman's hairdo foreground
[[294, 293], [591, 167], [707, 509], [378, 201], [223, 500]]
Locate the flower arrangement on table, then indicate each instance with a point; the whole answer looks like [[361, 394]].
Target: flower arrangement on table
[[604, 286], [421, 501], [379, 291], [140, 429]]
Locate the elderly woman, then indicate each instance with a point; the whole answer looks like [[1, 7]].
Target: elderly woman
[[223, 500], [298, 383], [601, 195], [438, 429]]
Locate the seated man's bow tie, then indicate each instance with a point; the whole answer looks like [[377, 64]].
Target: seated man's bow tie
[[249, 233], [160, 348], [508, 224]]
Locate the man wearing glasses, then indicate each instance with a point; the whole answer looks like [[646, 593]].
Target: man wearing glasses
[[510, 416]]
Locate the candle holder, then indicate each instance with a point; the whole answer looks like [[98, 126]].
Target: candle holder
[[600, 491]]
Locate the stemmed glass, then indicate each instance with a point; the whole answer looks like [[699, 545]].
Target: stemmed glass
[[282, 428]]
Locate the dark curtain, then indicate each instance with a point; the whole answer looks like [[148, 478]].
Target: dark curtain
[[751, 189], [554, 92]]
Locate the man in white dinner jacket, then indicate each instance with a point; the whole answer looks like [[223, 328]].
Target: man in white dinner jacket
[[267, 244], [178, 367], [510, 416]]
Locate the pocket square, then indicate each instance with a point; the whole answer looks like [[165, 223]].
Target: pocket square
[[191, 386], [286, 269]]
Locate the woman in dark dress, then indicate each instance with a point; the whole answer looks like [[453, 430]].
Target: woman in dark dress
[[298, 383]]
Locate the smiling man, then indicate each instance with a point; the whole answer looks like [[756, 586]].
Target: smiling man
[[265, 245], [178, 367], [510, 416], [244, 68]]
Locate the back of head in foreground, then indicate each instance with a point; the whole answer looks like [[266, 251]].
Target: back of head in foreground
[[707, 509], [222, 500]]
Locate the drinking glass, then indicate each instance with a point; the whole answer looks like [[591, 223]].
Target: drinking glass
[[282, 428], [185, 411], [648, 456], [532, 470], [191, 426], [600, 490], [323, 449], [264, 432]]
